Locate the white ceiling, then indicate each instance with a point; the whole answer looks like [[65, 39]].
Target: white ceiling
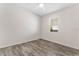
[[48, 7]]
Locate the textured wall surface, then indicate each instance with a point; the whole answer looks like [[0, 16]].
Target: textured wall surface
[[17, 25]]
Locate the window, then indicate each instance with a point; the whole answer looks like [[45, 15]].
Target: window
[[54, 24]]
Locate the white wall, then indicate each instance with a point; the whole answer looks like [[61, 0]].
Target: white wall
[[69, 27], [17, 25]]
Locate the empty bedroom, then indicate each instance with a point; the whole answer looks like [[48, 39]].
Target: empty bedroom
[[39, 29]]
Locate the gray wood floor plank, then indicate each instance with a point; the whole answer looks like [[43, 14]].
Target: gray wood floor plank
[[38, 48]]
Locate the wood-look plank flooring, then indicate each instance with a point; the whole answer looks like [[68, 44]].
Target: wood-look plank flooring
[[38, 48]]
